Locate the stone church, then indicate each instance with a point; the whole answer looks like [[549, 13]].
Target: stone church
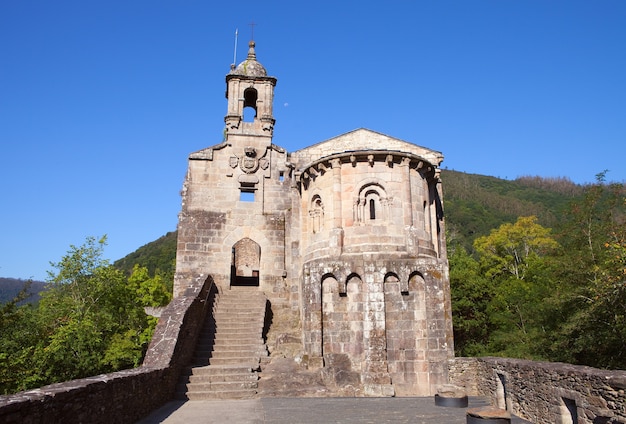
[[344, 240]]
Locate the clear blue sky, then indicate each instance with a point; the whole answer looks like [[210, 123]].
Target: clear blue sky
[[102, 101]]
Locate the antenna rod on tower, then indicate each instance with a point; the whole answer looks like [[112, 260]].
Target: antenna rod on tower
[[235, 53]]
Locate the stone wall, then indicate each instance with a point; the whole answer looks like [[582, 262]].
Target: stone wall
[[545, 392], [123, 396]]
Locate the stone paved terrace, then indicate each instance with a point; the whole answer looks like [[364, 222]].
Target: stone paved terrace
[[313, 411]]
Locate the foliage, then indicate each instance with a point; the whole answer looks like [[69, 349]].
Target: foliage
[[158, 257], [471, 295], [526, 292], [593, 268], [513, 248], [476, 204], [504, 289], [90, 320], [17, 336]]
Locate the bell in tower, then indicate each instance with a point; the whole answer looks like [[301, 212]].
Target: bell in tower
[[250, 94]]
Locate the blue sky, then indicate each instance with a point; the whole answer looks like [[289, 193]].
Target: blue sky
[[102, 101]]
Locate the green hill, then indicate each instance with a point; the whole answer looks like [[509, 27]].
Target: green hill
[[10, 288], [158, 256], [476, 204]]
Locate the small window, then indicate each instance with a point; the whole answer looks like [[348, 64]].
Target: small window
[[246, 196], [372, 209], [281, 176]]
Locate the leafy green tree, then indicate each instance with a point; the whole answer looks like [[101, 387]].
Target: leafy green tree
[[513, 248], [517, 260], [151, 291], [18, 335], [593, 268], [471, 293], [90, 320]]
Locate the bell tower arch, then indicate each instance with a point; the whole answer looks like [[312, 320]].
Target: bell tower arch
[[250, 94]]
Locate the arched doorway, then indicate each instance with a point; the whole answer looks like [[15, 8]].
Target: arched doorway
[[246, 263]]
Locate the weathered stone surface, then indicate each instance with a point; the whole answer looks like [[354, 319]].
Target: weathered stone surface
[[488, 412], [338, 371], [544, 392], [346, 238], [451, 391], [284, 377]]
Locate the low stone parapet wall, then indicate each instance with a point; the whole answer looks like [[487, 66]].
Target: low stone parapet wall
[[123, 396], [545, 392]]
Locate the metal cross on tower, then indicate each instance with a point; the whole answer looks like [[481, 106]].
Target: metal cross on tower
[[252, 25]]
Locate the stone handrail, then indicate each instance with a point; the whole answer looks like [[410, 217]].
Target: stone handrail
[[123, 396], [544, 392]]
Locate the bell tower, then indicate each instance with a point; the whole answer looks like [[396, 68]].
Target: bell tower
[[250, 93]]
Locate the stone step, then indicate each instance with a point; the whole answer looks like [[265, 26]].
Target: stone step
[[221, 378], [251, 361], [229, 334], [216, 370], [221, 386], [234, 309], [237, 353], [237, 343], [232, 328], [233, 338], [239, 329], [227, 319], [240, 304], [238, 316], [229, 349], [228, 340], [211, 395]]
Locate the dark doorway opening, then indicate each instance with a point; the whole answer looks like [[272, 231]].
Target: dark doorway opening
[[245, 264]]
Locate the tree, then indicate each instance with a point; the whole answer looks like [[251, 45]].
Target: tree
[[151, 291], [471, 293], [594, 237], [18, 335], [91, 320], [512, 248], [517, 259]]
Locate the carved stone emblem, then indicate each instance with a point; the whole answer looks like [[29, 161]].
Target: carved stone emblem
[[249, 163], [234, 161]]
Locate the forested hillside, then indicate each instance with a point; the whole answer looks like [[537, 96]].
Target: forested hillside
[[158, 257], [476, 204], [11, 287]]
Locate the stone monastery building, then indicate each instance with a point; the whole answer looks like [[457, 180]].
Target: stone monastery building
[[344, 239]]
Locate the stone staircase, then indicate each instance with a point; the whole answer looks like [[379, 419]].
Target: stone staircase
[[229, 349]]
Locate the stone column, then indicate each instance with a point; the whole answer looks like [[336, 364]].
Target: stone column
[[407, 201], [337, 211], [376, 379], [312, 315], [336, 233]]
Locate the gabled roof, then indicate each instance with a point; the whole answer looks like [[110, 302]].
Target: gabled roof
[[363, 139]]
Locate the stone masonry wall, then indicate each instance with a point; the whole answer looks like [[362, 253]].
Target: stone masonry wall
[[544, 392], [388, 316], [123, 396]]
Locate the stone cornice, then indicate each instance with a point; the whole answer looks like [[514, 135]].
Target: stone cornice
[[390, 157]]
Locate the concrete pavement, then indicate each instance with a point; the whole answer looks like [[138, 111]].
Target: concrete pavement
[[312, 411]]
